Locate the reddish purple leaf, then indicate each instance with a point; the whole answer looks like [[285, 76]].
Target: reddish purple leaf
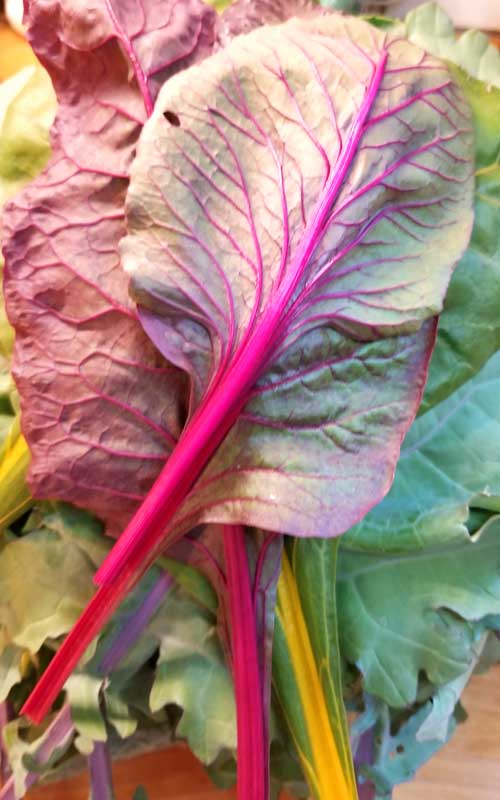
[[101, 408], [242, 16]]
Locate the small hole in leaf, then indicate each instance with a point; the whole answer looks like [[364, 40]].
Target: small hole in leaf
[[172, 118], [400, 749]]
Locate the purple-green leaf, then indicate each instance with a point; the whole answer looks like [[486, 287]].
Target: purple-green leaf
[[322, 182]]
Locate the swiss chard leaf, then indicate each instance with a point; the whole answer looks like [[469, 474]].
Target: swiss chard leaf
[[431, 28], [323, 223], [469, 328], [307, 199], [101, 409], [444, 588]]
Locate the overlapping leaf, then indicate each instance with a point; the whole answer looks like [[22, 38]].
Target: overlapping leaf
[[101, 409], [55, 564], [469, 330], [431, 28], [407, 613], [268, 202], [450, 460], [191, 673]]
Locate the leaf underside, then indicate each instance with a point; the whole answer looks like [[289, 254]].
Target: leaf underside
[[314, 229]]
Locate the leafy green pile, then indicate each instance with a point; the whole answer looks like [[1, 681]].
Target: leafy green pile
[[418, 580]]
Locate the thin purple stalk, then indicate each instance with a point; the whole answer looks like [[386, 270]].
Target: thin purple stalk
[[130, 631], [62, 726], [253, 755], [101, 777], [56, 736], [364, 755]]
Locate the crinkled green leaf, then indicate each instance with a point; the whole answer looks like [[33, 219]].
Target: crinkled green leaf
[[430, 27], [449, 461], [402, 614], [191, 673], [397, 756], [27, 109], [46, 577], [435, 727]]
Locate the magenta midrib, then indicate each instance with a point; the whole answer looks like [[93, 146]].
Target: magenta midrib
[[216, 415], [140, 75], [251, 743], [147, 533]]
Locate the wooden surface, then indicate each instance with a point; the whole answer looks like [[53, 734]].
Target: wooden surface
[[468, 768]]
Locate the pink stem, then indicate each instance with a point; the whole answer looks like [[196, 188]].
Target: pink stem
[[148, 533], [253, 763]]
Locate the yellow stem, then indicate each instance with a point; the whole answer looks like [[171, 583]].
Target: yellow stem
[[328, 775]]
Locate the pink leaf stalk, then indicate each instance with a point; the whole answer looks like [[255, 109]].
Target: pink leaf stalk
[[252, 753], [323, 304], [147, 533]]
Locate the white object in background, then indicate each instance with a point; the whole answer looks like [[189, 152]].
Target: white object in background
[[481, 14], [14, 14]]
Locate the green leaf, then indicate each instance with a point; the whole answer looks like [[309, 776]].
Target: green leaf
[[46, 577], [449, 461], [398, 755], [84, 694], [409, 613], [192, 674], [428, 26], [307, 666], [469, 327], [27, 109]]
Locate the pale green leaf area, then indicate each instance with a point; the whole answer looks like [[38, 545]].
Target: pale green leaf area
[[413, 612], [27, 109], [429, 27], [436, 725], [55, 565], [191, 674], [83, 692]]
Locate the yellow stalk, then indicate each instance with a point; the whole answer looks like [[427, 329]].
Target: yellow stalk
[[14, 461], [328, 776]]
